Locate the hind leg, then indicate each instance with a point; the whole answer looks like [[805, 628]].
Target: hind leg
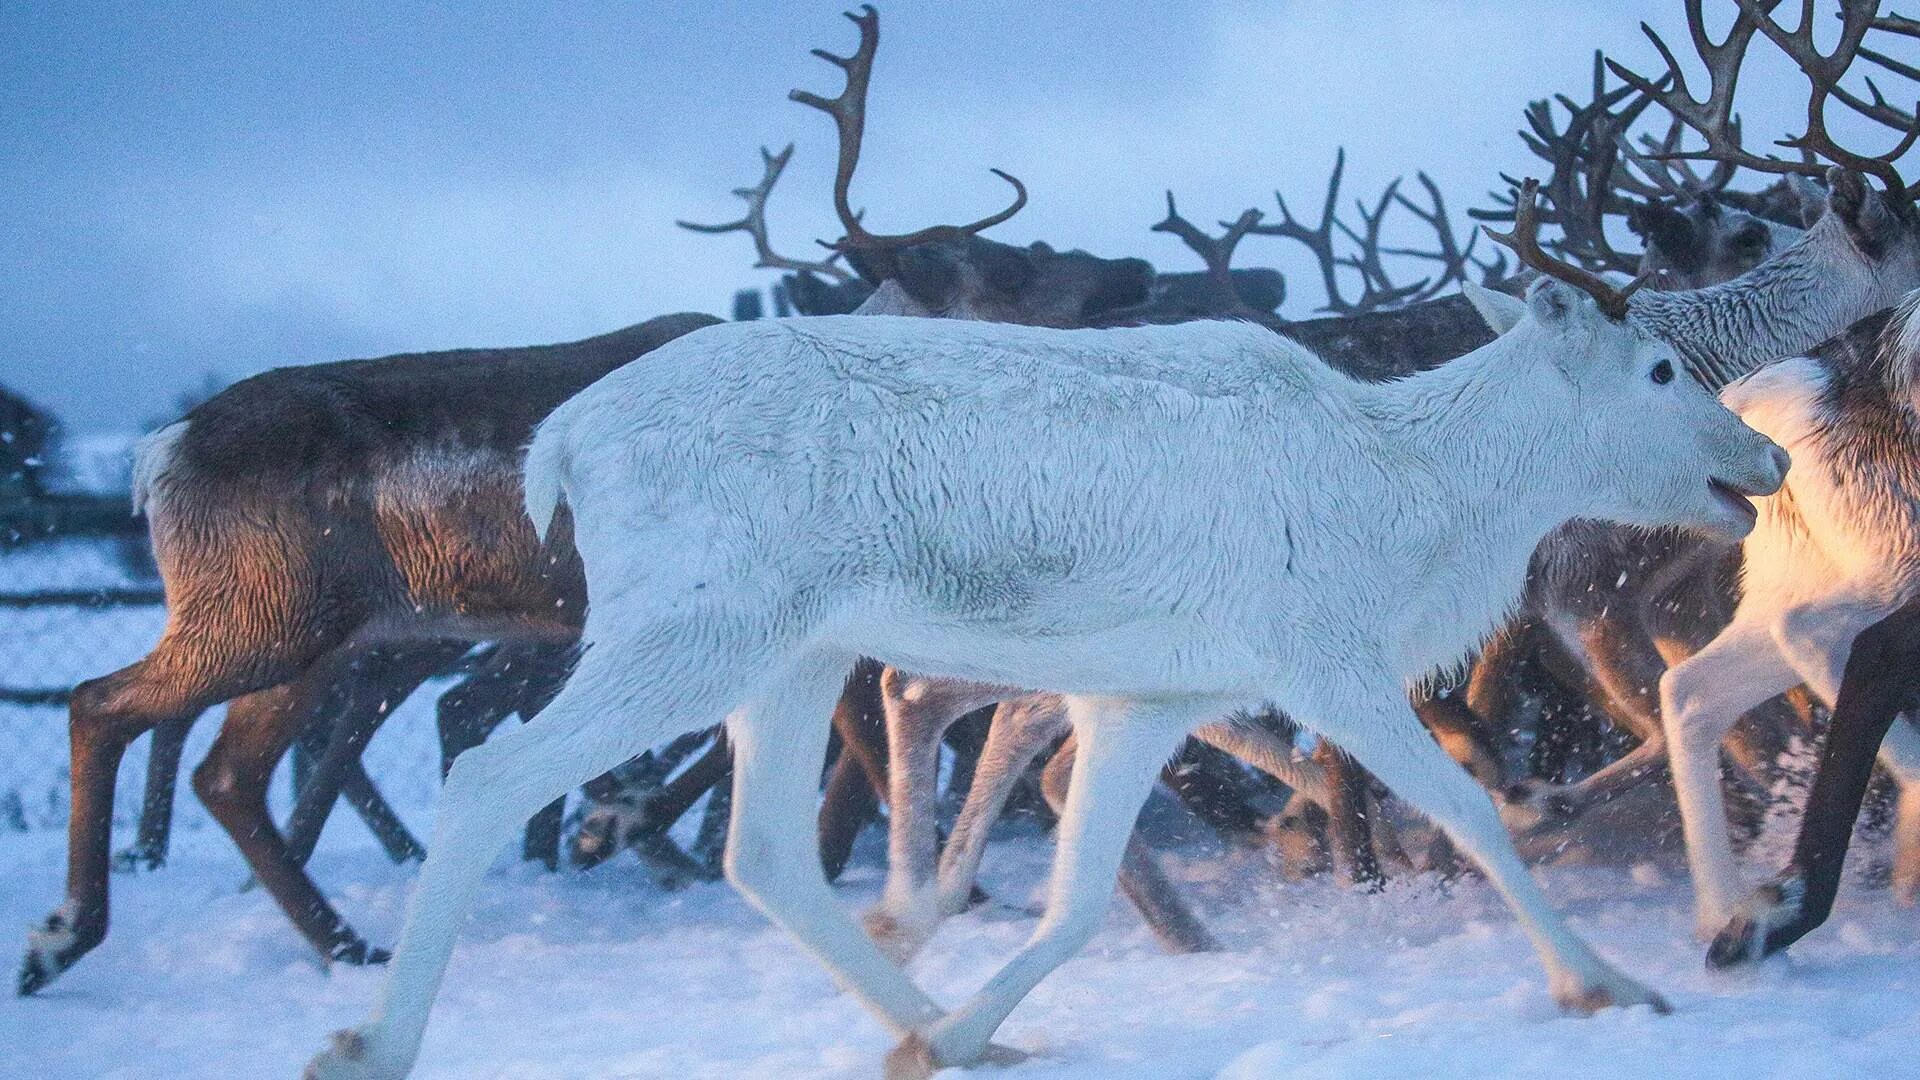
[[149, 850], [1141, 880], [1122, 746], [779, 743], [182, 676], [611, 709], [919, 712], [233, 780]]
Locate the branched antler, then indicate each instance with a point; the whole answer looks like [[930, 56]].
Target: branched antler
[[1524, 240], [849, 112], [754, 224], [1584, 187], [1376, 291], [1453, 257], [1217, 253], [1713, 118]]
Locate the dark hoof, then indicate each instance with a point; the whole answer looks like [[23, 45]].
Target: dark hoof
[[1769, 921], [357, 953], [52, 948], [35, 973], [137, 859]]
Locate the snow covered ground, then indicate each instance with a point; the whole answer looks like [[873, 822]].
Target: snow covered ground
[[606, 975]]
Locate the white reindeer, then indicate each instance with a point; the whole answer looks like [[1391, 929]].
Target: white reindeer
[[1166, 523], [1835, 551]]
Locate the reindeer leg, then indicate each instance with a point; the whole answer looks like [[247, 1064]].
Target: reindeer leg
[[149, 851], [1205, 781], [1354, 860], [1122, 746], [1141, 880], [1020, 730], [232, 782], [183, 675], [860, 719], [1700, 699], [374, 682], [1881, 678], [918, 713]]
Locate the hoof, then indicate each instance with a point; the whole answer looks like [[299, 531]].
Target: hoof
[[1613, 991], [350, 1056], [357, 953], [52, 948], [916, 1059], [36, 971], [1769, 921], [136, 859]]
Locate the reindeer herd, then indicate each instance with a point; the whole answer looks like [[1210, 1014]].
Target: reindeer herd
[[1046, 506]]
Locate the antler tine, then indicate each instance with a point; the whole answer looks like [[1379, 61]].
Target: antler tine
[[849, 112], [1449, 253], [1216, 252], [1588, 182], [1524, 241], [1824, 71], [1372, 270], [1318, 239], [1712, 117], [754, 223]]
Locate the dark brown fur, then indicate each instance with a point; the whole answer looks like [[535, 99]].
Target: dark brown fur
[[303, 515]]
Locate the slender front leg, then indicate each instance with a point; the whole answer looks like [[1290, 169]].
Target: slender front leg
[[1881, 678], [919, 711], [1700, 699], [1376, 727], [1122, 746]]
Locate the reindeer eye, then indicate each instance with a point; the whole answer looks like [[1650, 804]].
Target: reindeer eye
[[1663, 372]]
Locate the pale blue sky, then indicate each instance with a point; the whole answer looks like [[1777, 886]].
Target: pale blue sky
[[225, 188]]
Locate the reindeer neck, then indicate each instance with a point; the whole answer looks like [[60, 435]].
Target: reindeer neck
[[1783, 307], [1482, 426]]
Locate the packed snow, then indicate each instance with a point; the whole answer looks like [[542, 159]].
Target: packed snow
[[609, 975]]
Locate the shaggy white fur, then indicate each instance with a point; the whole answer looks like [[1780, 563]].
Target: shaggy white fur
[[1162, 523]]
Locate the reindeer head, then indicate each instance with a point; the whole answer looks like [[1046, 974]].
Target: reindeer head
[[1660, 449], [974, 278], [1690, 245], [942, 271], [1884, 225]]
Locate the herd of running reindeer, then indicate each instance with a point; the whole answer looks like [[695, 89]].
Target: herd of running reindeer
[[1179, 512]]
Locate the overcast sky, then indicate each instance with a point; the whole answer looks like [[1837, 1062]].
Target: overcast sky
[[196, 190]]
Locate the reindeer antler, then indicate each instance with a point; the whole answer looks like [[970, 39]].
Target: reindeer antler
[[1583, 188], [1525, 242], [1217, 253], [1713, 118], [1453, 257], [849, 112], [1375, 290], [754, 223]]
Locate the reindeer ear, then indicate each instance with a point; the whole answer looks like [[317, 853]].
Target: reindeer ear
[[1811, 197], [1500, 311], [1553, 302]]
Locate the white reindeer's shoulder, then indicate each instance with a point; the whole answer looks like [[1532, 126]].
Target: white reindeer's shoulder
[[1780, 400]]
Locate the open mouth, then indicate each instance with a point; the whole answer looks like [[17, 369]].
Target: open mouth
[[1734, 498]]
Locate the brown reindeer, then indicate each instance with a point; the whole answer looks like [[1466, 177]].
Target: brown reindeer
[[298, 518]]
